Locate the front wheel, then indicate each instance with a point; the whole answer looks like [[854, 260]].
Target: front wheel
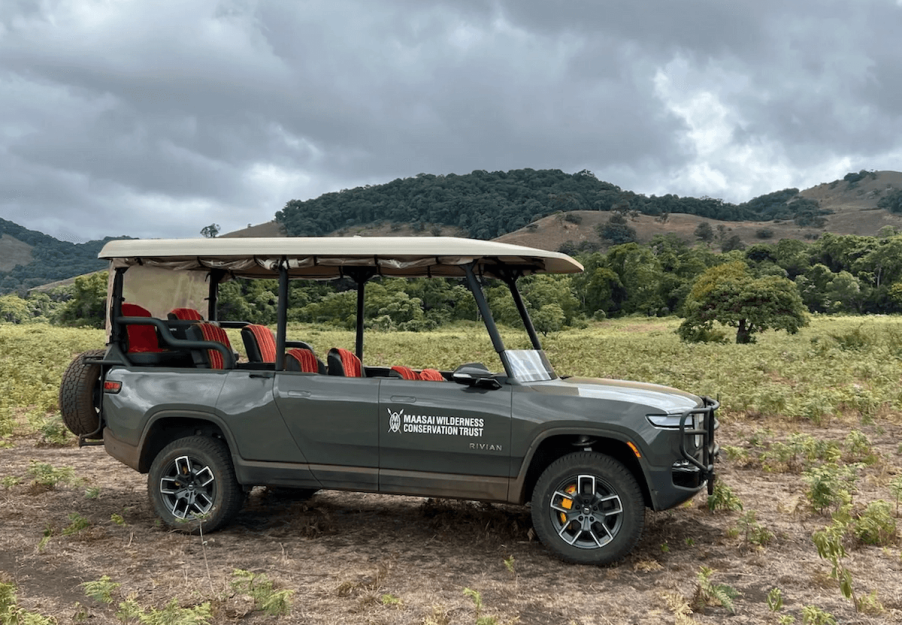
[[192, 483], [588, 509]]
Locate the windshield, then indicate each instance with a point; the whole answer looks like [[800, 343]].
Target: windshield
[[529, 365]]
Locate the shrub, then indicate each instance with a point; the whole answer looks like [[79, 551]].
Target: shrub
[[617, 233], [830, 485], [47, 476], [723, 498], [573, 218], [876, 525]]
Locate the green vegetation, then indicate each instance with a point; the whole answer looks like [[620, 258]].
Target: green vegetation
[[708, 593], [260, 588], [813, 615], [830, 486], [487, 204], [101, 590], [52, 259], [729, 295], [748, 291], [46, 475], [810, 376], [478, 608], [775, 600], [173, 614], [32, 361], [77, 523], [876, 525], [723, 498], [751, 531], [12, 614]]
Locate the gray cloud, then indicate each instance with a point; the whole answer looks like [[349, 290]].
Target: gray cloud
[[156, 119]]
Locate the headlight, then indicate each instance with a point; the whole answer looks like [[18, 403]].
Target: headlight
[[672, 422]]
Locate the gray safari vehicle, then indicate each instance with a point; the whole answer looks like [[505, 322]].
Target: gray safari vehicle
[[168, 397]]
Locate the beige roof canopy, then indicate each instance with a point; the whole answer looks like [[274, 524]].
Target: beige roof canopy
[[331, 257]]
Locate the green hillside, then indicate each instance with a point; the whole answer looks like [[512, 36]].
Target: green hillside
[[50, 258], [486, 205]]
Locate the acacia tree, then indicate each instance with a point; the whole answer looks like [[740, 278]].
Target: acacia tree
[[729, 295]]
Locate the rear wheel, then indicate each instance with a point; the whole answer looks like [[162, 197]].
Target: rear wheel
[[79, 396], [192, 482], [588, 509]]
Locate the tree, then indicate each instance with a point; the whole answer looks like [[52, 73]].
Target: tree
[[210, 231], [88, 304], [549, 318], [14, 309], [729, 295], [733, 243], [616, 231], [892, 201], [704, 232]]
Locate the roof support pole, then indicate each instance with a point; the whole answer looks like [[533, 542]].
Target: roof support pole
[[215, 278], [486, 313], [282, 315], [115, 310], [360, 276], [524, 314], [358, 343]]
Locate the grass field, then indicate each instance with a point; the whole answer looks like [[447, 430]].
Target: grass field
[[810, 431]]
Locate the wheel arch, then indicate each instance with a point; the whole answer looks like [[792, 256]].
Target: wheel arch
[[167, 426], [556, 444]]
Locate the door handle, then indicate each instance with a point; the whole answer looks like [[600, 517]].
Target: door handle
[[404, 399], [265, 375], [299, 393]]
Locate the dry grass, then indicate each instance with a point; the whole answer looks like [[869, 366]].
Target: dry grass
[[341, 553]]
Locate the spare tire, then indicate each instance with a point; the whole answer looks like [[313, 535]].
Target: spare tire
[[80, 394]]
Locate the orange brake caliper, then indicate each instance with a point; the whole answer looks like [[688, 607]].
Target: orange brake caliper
[[567, 503]]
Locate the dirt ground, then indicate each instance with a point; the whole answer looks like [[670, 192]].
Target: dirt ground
[[341, 553]]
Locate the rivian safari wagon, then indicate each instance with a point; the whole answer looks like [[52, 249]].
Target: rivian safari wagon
[[169, 397]]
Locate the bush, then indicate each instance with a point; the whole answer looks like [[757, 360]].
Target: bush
[[723, 498], [876, 525], [617, 233], [701, 334], [573, 218], [764, 233], [733, 243], [830, 485]]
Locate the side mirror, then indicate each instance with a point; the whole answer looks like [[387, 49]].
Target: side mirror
[[475, 375]]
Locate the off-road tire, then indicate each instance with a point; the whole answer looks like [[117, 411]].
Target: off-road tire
[[192, 485], [80, 395], [605, 515]]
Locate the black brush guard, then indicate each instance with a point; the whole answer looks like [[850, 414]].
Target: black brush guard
[[709, 449]]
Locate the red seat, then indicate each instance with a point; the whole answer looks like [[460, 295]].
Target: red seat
[[260, 345], [345, 363], [185, 314], [303, 360], [406, 372], [205, 331], [141, 338], [431, 375]]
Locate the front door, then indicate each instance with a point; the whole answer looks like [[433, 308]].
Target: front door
[[444, 439], [334, 421]]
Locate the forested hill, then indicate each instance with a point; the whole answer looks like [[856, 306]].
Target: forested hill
[[29, 258], [486, 205]]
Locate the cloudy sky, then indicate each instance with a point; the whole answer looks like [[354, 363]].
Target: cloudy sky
[[154, 119]]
